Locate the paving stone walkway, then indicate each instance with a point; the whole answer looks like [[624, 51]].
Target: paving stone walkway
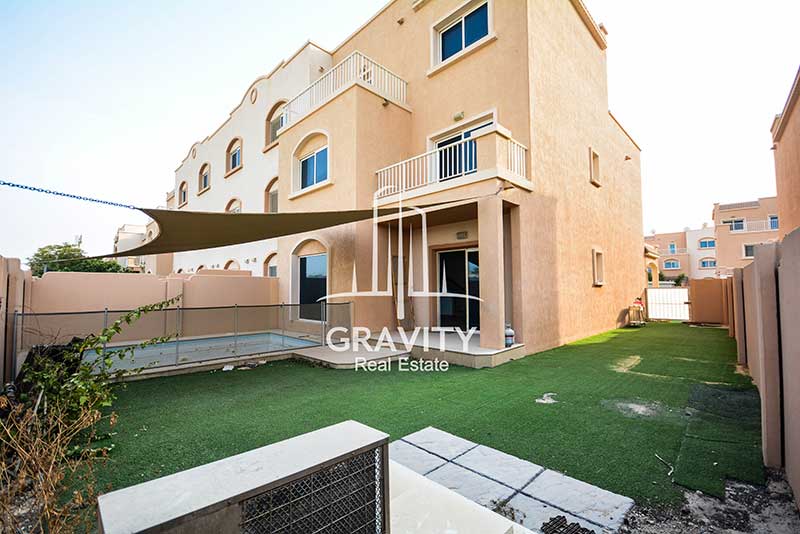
[[491, 478]]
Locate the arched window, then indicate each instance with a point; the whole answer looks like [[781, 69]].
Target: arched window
[[311, 161], [234, 206], [707, 242], [231, 265], [204, 178], [271, 265], [183, 194], [309, 277], [233, 156], [271, 197], [671, 264], [708, 263], [276, 119]]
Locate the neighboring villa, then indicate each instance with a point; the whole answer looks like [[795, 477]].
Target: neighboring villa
[[740, 227], [691, 253], [786, 139], [130, 236], [435, 100]]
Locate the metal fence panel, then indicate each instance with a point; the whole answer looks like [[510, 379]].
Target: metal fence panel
[[196, 334]]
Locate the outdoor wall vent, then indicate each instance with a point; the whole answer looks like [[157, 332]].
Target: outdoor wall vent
[[461, 235]]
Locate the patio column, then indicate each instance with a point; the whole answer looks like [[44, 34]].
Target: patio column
[[492, 274]]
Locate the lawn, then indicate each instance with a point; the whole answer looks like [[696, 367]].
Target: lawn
[[624, 397]]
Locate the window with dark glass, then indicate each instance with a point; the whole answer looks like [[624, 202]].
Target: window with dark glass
[[314, 168], [464, 32], [236, 157], [749, 251], [457, 158], [773, 222]]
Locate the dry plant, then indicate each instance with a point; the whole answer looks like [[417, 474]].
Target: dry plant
[[47, 469]]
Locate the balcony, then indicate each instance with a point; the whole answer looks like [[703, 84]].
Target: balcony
[[355, 69], [489, 153], [763, 225]]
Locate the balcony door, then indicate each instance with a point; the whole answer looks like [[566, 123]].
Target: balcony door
[[459, 272], [457, 155]]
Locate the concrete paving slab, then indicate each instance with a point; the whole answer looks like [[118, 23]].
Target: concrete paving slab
[[502, 467], [532, 513], [420, 506], [413, 457], [440, 442], [471, 485], [579, 498]]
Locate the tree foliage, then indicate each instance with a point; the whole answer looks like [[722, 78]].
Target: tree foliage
[[68, 257]]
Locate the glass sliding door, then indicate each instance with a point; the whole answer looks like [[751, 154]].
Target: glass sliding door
[[457, 158], [313, 285], [459, 274]]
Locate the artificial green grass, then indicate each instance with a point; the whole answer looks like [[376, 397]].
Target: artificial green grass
[[174, 423]]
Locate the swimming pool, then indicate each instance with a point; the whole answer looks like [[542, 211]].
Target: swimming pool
[[183, 351]]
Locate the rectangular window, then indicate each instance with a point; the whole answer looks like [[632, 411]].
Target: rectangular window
[[598, 267], [708, 243], [594, 167], [465, 31], [672, 248], [457, 158], [313, 285], [275, 125], [736, 225], [272, 271], [708, 264], [204, 181], [314, 168], [236, 158], [273, 201], [749, 251], [773, 222]]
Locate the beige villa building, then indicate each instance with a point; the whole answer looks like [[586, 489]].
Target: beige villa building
[[493, 116], [786, 146], [692, 252], [740, 227]]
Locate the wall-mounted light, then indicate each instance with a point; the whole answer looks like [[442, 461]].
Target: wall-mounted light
[[627, 157], [400, 21], [385, 103], [461, 235], [458, 116]]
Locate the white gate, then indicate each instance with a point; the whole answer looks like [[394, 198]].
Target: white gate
[[671, 303]]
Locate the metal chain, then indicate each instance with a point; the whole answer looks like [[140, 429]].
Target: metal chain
[[67, 195]]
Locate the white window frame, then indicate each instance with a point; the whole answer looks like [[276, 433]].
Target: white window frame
[[677, 265], [700, 243], [238, 153], [701, 266], [327, 168], [450, 20], [777, 222], [672, 247], [744, 250], [598, 267]]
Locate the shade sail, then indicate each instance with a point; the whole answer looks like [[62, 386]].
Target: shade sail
[[180, 230]]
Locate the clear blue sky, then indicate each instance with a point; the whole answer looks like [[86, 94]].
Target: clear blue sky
[[105, 98]]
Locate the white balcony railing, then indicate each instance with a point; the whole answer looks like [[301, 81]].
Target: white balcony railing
[[467, 157], [764, 225], [355, 68], [675, 251]]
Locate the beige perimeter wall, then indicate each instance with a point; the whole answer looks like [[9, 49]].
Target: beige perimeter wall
[[766, 298]]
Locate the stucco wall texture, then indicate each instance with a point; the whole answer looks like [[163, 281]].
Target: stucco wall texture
[[766, 311], [786, 137], [544, 59]]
